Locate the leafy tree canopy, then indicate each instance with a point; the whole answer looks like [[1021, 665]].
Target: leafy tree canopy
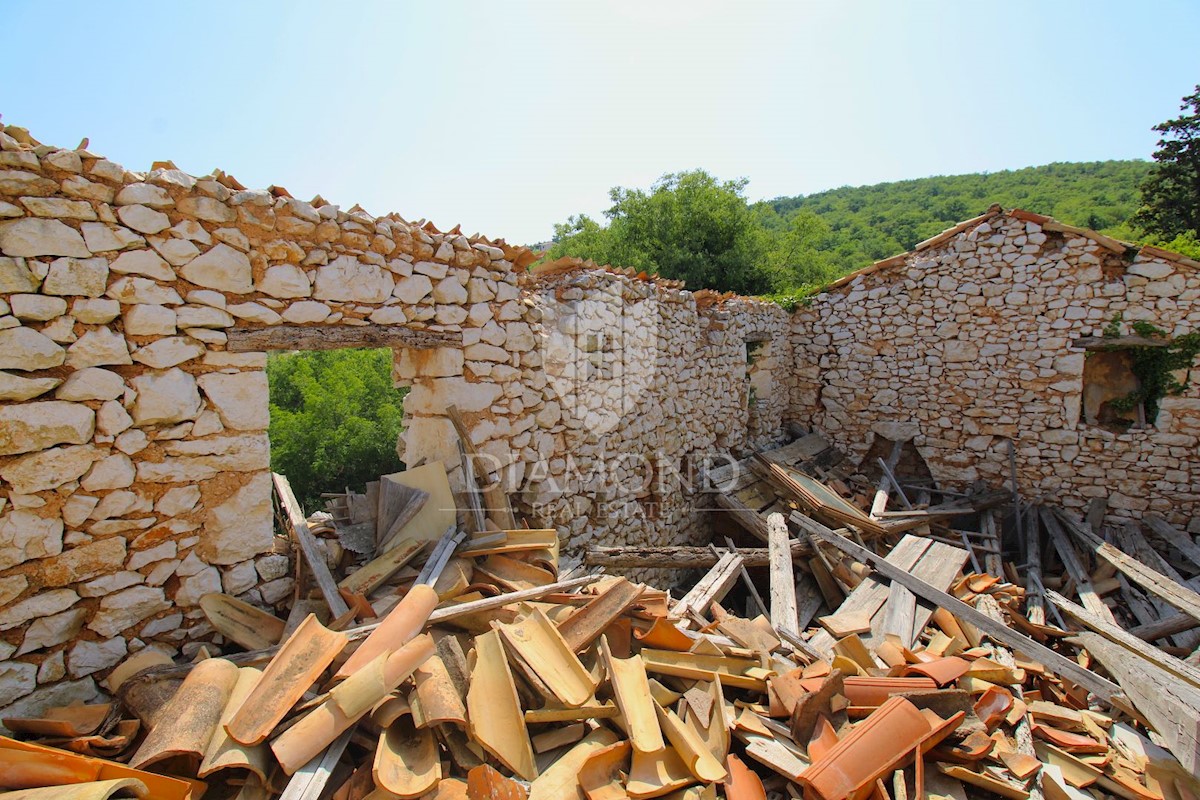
[[692, 226], [1171, 193], [335, 419]]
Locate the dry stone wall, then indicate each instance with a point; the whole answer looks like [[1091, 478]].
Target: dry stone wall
[[134, 460], [638, 384], [969, 343], [133, 449]]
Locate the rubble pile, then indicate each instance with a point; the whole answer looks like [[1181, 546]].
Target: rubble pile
[[460, 657]]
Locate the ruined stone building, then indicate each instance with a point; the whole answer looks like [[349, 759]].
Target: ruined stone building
[[136, 310]]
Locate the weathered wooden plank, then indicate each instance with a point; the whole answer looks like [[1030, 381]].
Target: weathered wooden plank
[[783, 579], [1129, 537], [308, 783], [870, 595], [1174, 537], [1180, 669], [1151, 580], [308, 546], [712, 587], [1070, 559], [1103, 688], [1171, 706], [335, 337]]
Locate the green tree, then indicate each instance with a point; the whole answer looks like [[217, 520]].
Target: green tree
[[1171, 195], [688, 226], [335, 419]]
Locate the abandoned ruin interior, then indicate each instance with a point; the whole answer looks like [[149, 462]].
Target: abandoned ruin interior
[[920, 535]]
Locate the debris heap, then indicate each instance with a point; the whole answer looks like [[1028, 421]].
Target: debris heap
[[474, 663]]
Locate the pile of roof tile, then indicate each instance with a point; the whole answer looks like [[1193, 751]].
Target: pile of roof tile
[[467, 663]]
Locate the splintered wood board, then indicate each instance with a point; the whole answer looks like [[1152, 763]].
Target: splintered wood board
[[439, 511]]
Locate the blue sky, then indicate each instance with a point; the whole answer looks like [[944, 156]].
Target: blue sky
[[508, 117]]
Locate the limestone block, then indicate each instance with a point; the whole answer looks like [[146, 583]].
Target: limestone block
[[286, 281], [239, 578], [51, 630], [17, 679], [25, 349], [59, 207], [16, 387], [273, 567], [276, 591], [168, 352], [41, 237], [16, 277], [145, 194], [347, 279], [433, 396], [165, 397], [39, 605], [95, 311], [413, 289], [53, 668], [254, 312], [162, 552], [37, 307], [240, 399], [131, 290], [203, 317], [118, 504], [98, 347], [49, 469], [77, 508], [449, 290], [126, 608], [87, 657], [306, 311], [112, 582], [112, 418], [440, 362], [177, 252], [142, 219], [241, 527], [70, 276], [202, 459], [21, 182], [207, 208], [57, 694], [37, 426], [147, 319], [102, 238], [91, 383], [84, 562], [114, 472], [143, 262], [222, 268], [1154, 270], [958, 351], [388, 315], [192, 588], [11, 588]]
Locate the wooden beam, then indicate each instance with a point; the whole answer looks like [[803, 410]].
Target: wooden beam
[[1180, 669], [308, 546], [335, 337], [712, 587], [1174, 537], [783, 580], [1070, 559], [1152, 581], [1101, 687], [1176, 623]]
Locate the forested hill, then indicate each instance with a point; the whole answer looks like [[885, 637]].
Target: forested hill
[[866, 223]]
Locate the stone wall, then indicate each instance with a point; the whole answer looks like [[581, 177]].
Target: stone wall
[[639, 383], [134, 460], [969, 342], [133, 449]]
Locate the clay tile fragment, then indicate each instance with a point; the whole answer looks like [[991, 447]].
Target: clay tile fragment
[[485, 783], [187, 721], [942, 670], [742, 783]]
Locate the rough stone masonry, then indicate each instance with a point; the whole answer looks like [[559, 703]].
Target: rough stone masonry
[[133, 450]]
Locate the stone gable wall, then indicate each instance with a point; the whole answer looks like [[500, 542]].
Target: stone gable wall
[[969, 344]]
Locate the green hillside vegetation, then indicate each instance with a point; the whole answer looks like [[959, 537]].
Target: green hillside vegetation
[[694, 227]]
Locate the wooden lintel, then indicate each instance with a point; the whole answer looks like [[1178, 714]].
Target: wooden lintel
[[336, 337]]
